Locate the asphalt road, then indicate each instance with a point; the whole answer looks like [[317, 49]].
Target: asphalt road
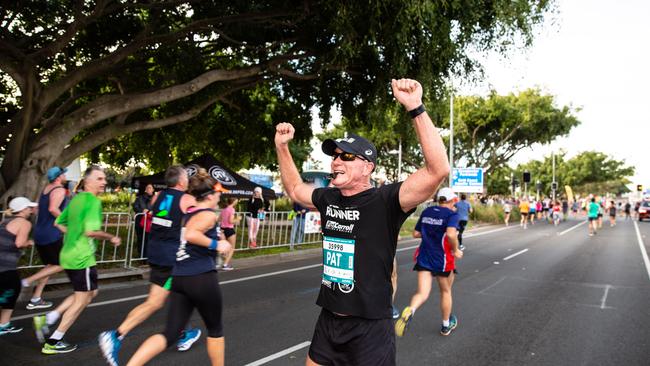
[[542, 296]]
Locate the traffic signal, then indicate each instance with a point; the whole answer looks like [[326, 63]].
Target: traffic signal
[[639, 187], [554, 186], [526, 177]]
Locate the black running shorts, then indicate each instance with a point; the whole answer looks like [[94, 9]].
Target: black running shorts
[[49, 253], [159, 275], [419, 268], [83, 280], [228, 232], [348, 340]]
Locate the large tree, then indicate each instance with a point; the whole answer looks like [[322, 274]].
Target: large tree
[[588, 172], [78, 74], [489, 131]]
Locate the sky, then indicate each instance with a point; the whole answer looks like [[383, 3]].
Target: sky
[[595, 55], [591, 54]]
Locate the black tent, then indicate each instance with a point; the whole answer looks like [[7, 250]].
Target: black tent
[[234, 185]]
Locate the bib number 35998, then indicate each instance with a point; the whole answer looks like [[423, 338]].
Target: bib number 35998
[[338, 260]]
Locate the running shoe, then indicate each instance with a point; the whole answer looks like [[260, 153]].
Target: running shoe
[[403, 322], [40, 304], [252, 245], [41, 328], [60, 347], [453, 322], [461, 247], [110, 345], [227, 267], [187, 340], [395, 312], [10, 328]]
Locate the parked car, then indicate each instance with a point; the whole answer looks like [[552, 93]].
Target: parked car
[[644, 210]]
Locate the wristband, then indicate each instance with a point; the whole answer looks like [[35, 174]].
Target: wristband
[[417, 111], [213, 244]]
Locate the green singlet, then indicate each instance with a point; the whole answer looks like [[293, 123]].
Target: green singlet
[[83, 214]]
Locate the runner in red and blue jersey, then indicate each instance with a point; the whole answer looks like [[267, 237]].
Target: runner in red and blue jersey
[[438, 228]]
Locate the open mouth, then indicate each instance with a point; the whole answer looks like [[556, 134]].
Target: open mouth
[[336, 173]]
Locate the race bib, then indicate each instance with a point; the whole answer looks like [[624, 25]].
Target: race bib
[[338, 260], [161, 222]]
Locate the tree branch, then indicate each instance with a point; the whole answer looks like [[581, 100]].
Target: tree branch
[[111, 106], [102, 64], [61, 41], [118, 127]]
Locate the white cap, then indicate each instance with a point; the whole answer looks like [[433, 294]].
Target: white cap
[[258, 189], [447, 193], [20, 203]]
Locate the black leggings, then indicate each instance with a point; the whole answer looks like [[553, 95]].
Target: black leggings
[[461, 229], [189, 292], [9, 289]]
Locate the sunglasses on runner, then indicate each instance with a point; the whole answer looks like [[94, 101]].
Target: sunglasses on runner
[[346, 156]]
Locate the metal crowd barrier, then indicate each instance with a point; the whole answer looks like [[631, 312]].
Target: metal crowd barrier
[[274, 231], [116, 223]]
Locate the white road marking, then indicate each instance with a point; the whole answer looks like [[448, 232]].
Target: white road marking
[[604, 299], [470, 235], [644, 253], [516, 254], [465, 236], [492, 285], [277, 355], [108, 302], [571, 228]]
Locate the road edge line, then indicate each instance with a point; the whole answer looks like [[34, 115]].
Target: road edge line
[[644, 253], [571, 228]]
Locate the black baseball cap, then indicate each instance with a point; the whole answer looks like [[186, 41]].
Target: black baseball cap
[[354, 144]]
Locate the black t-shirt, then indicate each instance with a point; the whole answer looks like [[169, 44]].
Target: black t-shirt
[[359, 241], [254, 205]]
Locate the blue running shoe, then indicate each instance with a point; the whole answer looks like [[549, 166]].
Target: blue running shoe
[[110, 345], [187, 340], [453, 322], [9, 328]]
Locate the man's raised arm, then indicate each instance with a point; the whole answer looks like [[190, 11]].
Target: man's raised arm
[[422, 184], [293, 184]]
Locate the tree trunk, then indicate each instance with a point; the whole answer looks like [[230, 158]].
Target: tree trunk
[[41, 154]]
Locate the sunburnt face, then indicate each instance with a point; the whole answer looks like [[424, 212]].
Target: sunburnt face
[[349, 174]]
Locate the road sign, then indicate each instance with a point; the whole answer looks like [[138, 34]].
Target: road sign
[[467, 180]]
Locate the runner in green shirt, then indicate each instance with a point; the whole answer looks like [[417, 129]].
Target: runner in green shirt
[[84, 214], [81, 222], [594, 208]]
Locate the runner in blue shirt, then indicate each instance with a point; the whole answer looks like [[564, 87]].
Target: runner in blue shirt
[[438, 228], [463, 208]]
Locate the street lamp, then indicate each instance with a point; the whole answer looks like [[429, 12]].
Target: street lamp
[[399, 159]]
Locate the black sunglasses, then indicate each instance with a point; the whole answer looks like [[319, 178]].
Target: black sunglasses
[[346, 156]]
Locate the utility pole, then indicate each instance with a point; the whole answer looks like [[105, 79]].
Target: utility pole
[[554, 184], [451, 136]]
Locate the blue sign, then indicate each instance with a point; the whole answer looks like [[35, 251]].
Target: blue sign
[[467, 180], [261, 179]]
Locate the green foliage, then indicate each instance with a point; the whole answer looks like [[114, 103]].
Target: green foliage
[[84, 60], [588, 172], [283, 204], [492, 214], [117, 202], [489, 131]]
